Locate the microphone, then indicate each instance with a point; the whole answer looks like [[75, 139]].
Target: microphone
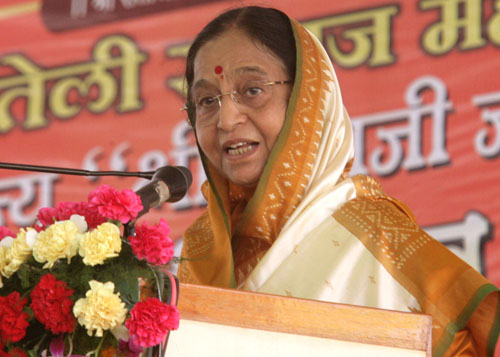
[[168, 184]]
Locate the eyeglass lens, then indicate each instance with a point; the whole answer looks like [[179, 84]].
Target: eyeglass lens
[[252, 94]]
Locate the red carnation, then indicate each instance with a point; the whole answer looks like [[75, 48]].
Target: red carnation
[[153, 243], [151, 320], [64, 211], [38, 227], [5, 232], [121, 205], [15, 352], [51, 304], [13, 320]]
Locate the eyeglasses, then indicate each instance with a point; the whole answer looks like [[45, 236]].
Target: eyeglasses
[[252, 94]]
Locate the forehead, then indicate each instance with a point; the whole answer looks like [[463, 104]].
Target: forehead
[[236, 53]]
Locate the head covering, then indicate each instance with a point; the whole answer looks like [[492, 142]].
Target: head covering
[[312, 156]]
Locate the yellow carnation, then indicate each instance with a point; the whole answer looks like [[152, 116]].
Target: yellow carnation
[[102, 309], [101, 243], [18, 252], [3, 262], [58, 241]]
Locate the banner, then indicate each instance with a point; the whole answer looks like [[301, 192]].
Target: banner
[[98, 85]]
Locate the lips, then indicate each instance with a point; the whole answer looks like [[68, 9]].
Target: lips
[[239, 147]]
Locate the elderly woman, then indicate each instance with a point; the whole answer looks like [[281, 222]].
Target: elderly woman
[[284, 216]]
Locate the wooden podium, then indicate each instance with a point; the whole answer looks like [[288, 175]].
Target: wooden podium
[[224, 322]]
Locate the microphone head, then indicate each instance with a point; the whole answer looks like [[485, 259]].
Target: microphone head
[[177, 178]]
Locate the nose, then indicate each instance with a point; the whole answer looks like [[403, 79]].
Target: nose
[[230, 114]]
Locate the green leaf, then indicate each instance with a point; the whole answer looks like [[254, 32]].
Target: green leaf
[[23, 275]]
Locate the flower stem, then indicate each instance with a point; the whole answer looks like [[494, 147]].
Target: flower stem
[[157, 283], [37, 346], [70, 338], [100, 344]]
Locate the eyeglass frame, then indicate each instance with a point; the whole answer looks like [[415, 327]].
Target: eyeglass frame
[[218, 97]]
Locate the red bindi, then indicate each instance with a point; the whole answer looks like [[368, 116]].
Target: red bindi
[[218, 69]]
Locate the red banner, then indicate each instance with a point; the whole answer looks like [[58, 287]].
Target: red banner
[[97, 85]]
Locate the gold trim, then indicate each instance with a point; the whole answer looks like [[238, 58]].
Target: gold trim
[[16, 10]]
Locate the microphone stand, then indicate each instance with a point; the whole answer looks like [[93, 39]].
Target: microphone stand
[[129, 227], [76, 172]]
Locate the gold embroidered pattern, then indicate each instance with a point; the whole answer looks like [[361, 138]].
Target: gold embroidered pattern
[[202, 238], [199, 244], [247, 256], [384, 230]]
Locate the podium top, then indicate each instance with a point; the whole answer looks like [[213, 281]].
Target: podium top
[[306, 317]]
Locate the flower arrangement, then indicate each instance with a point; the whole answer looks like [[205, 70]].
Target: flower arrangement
[[85, 281]]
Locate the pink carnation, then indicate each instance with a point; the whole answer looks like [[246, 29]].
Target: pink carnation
[[151, 320], [121, 205], [129, 348], [5, 232], [47, 216], [153, 243]]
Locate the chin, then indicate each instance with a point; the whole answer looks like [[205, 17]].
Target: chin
[[244, 182], [244, 179], [245, 176]]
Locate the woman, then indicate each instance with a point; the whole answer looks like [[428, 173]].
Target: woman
[[283, 215]]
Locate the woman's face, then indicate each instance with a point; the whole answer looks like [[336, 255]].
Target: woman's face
[[237, 138]]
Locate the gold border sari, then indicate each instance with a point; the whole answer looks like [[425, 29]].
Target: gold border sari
[[310, 231]]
